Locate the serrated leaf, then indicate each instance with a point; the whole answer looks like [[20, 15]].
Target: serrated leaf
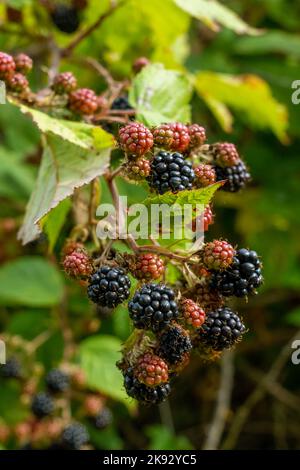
[[248, 94], [195, 196], [98, 356], [213, 14], [30, 281], [160, 95], [74, 154], [80, 134], [53, 222]]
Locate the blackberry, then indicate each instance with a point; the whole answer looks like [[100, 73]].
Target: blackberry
[[143, 393], [42, 405], [236, 177], [173, 343], [103, 419], [243, 276], [135, 139], [170, 172], [74, 436], [153, 307], [151, 370], [221, 329], [65, 18], [23, 63], [217, 254], [11, 369], [57, 381], [121, 104], [64, 83], [109, 286]]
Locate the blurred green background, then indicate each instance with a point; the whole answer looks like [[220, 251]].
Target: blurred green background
[[242, 93]]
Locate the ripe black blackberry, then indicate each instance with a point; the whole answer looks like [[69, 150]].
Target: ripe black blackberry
[[121, 104], [173, 343], [74, 436], [11, 369], [109, 286], [103, 419], [153, 307], [143, 393], [243, 276], [57, 381], [222, 329], [236, 177], [42, 405], [65, 18], [170, 172]]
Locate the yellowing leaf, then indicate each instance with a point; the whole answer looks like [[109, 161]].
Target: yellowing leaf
[[248, 94], [212, 13]]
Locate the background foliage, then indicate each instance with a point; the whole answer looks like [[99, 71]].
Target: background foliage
[[236, 80]]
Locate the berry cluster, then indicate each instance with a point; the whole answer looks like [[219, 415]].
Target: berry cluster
[[48, 426]]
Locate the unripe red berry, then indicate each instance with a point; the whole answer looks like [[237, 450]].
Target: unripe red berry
[[151, 370], [181, 137], [23, 63], [163, 136], [197, 135], [140, 63], [192, 313], [93, 404], [70, 246], [135, 139], [7, 66], [138, 168], [225, 154], [204, 220], [17, 82], [148, 266], [102, 103], [217, 254], [205, 175], [78, 264], [83, 101], [64, 83]]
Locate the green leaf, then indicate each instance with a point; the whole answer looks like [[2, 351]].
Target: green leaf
[[271, 41], [30, 281], [160, 95], [293, 318], [74, 154], [161, 438], [212, 14], [248, 94], [53, 222], [98, 356], [29, 323], [16, 179], [195, 196]]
